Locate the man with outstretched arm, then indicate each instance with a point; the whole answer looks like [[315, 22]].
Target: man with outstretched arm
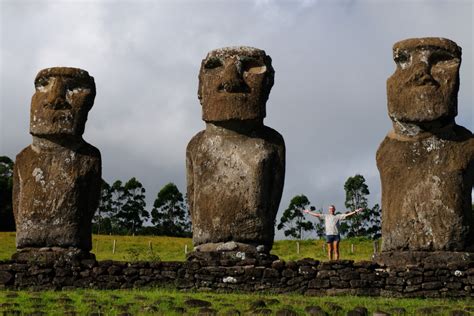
[[331, 222]]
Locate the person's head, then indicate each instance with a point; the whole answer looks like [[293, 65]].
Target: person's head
[[331, 209], [425, 84], [234, 84], [62, 99]]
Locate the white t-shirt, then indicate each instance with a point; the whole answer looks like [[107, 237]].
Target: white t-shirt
[[332, 223]]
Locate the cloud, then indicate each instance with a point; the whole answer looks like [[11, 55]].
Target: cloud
[[331, 60]]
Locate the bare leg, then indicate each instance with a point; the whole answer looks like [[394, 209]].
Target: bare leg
[[330, 250], [336, 249]]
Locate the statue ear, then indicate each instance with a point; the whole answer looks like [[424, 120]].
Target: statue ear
[[200, 82]]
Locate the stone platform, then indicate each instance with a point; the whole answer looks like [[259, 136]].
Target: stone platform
[[258, 274], [425, 258], [51, 255]]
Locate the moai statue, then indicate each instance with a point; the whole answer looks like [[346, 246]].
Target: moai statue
[[426, 161], [236, 166], [57, 179]]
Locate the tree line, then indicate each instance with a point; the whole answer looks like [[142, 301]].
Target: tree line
[[122, 211]]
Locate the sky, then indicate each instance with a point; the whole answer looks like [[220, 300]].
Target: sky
[[331, 61]]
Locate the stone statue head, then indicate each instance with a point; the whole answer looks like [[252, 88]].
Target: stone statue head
[[234, 84], [425, 84], [62, 99]]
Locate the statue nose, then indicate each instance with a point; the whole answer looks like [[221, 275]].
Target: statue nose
[[232, 80], [57, 95], [421, 74]]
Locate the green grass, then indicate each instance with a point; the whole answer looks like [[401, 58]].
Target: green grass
[[132, 248], [165, 302], [7, 245], [287, 249]]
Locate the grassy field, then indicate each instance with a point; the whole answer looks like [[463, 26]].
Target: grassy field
[[7, 245], [133, 248], [170, 302]]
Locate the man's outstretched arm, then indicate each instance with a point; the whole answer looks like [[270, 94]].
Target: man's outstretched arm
[[354, 212], [313, 213]]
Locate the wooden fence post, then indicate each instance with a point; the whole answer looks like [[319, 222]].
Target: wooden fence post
[[185, 249], [298, 247], [352, 248], [376, 246], [150, 247], [113, 247]]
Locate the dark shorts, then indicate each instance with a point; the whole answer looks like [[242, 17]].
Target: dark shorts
[[332, 238]]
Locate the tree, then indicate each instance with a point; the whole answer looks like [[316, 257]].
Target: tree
[[356, 197], [293, 221], [129, 205], [319, 227], [7, 222], [374, 229], [170, 214], [101, 223], [366, 223]]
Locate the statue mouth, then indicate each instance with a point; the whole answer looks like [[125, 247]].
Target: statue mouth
[[58, 106], [427, 83], [424, 81], [233, 87], [64, 116]]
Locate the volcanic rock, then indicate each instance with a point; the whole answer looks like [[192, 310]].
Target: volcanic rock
[[236, 166], [426, 162], [57, 179]]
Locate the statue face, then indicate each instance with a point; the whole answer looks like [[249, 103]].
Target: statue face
[[234, 84], [62, 99], [425, 84]]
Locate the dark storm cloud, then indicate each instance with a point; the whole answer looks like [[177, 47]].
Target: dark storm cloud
[[331, 60]]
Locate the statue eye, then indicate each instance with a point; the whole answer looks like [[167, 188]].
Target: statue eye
[[72, 84], [41, 82], [401, 57], [440, 56], [253, 66], [212, 63]]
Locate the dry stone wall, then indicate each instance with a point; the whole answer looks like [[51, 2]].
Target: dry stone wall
[[305, 276]]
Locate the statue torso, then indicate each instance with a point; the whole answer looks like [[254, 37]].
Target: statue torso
[[425, 183]]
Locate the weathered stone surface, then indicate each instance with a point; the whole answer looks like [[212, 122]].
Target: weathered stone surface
[[426, 162], [234, 84], [358, 311], [197, 303], [235, 168], [438, 279], [226, 246], [6, 278], [225, 258], [315, 311], [53, 255], [428, 258], [286, 312], [425, 85], [56, 181]]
